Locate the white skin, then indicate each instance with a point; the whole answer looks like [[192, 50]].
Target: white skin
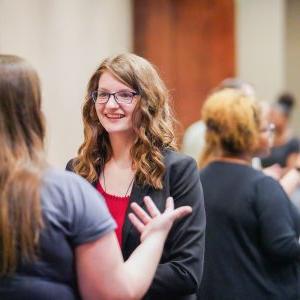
[[117, 121], [102, 273]]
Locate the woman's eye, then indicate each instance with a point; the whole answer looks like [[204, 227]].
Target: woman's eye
[[124, 94], [102, 95]]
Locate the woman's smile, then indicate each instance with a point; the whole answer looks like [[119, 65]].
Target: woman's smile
[[114, 116]]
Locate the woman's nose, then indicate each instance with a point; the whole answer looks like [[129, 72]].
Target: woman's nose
[[112, 102]]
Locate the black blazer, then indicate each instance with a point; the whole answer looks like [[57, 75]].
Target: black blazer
[[179, 273]]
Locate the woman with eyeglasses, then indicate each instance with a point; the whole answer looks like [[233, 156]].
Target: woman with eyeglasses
[[57, 237], [252, 234], [286, 146], [129, 152]]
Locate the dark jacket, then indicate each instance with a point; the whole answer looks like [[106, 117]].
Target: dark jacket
[[180, 270]]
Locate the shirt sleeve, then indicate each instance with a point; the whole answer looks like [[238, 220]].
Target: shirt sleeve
[[294, 146], [279, 230], [90, 218]]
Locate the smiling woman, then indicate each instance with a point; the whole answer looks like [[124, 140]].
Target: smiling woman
[[129, 152], [115, 103], [53, 224]]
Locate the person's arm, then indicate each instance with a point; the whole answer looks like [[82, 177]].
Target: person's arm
[[290, 181], [102, 274], [275, 171], [181, 271], [278, 221]]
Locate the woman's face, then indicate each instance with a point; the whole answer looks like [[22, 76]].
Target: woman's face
[[266, 133], [115, 111], [266, 138], [278, 119]]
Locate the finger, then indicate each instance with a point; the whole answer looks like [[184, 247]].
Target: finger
[[169, 204], [151, 207], [140, 213], [136, 222], [181, 212]]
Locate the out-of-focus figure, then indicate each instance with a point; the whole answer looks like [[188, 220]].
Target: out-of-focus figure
[[286, 146], [252, 235], [193, 139]]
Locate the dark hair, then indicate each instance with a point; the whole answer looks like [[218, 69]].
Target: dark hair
[[22, 162], [286, 102]]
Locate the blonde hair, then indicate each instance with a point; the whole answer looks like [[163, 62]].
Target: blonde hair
[[22, 162], [152, 122], [232, 125]]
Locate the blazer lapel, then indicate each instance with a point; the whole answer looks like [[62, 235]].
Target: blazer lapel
[[137, 195]]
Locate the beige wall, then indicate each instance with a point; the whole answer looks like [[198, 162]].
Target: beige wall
[[64, 40], [268, 47], [293, 55], [260, 45]]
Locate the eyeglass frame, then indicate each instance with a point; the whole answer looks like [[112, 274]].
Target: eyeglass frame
[[133, 94]]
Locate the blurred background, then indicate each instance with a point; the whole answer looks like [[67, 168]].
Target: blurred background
[[195, 44]]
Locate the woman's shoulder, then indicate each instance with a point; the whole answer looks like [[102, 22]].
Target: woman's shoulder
[[64, 183], [180, 167], [56, 175], [265, 184], [71, 203], [174, 158]]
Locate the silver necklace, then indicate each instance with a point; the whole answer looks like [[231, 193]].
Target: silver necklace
[[128, 188]]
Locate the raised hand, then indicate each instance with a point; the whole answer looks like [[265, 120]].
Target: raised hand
[[153, 221]]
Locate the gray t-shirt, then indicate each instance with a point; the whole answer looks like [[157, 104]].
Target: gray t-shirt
[[74, 214]]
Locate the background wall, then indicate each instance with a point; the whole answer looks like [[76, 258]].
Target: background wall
[[260, 48], [64, 40], [292, 59]]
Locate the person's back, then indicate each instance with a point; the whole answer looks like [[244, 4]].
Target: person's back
[[252, 236], [73, 214]]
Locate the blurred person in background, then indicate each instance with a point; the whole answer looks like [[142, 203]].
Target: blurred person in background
[[128, 152], [252, 235], [194, 137], [57, 238], [283, 160], [286, 146]]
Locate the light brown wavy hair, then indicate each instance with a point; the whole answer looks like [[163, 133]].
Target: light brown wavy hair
[[152, 122], [22, 162], [232, 125]]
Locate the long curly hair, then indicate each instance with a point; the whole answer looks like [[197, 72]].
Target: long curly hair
[[232, 125], [152, 122]]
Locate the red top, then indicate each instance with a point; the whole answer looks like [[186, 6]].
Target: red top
[[117, 206]]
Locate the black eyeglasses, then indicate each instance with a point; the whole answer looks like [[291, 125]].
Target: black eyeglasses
[[121, 97]]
